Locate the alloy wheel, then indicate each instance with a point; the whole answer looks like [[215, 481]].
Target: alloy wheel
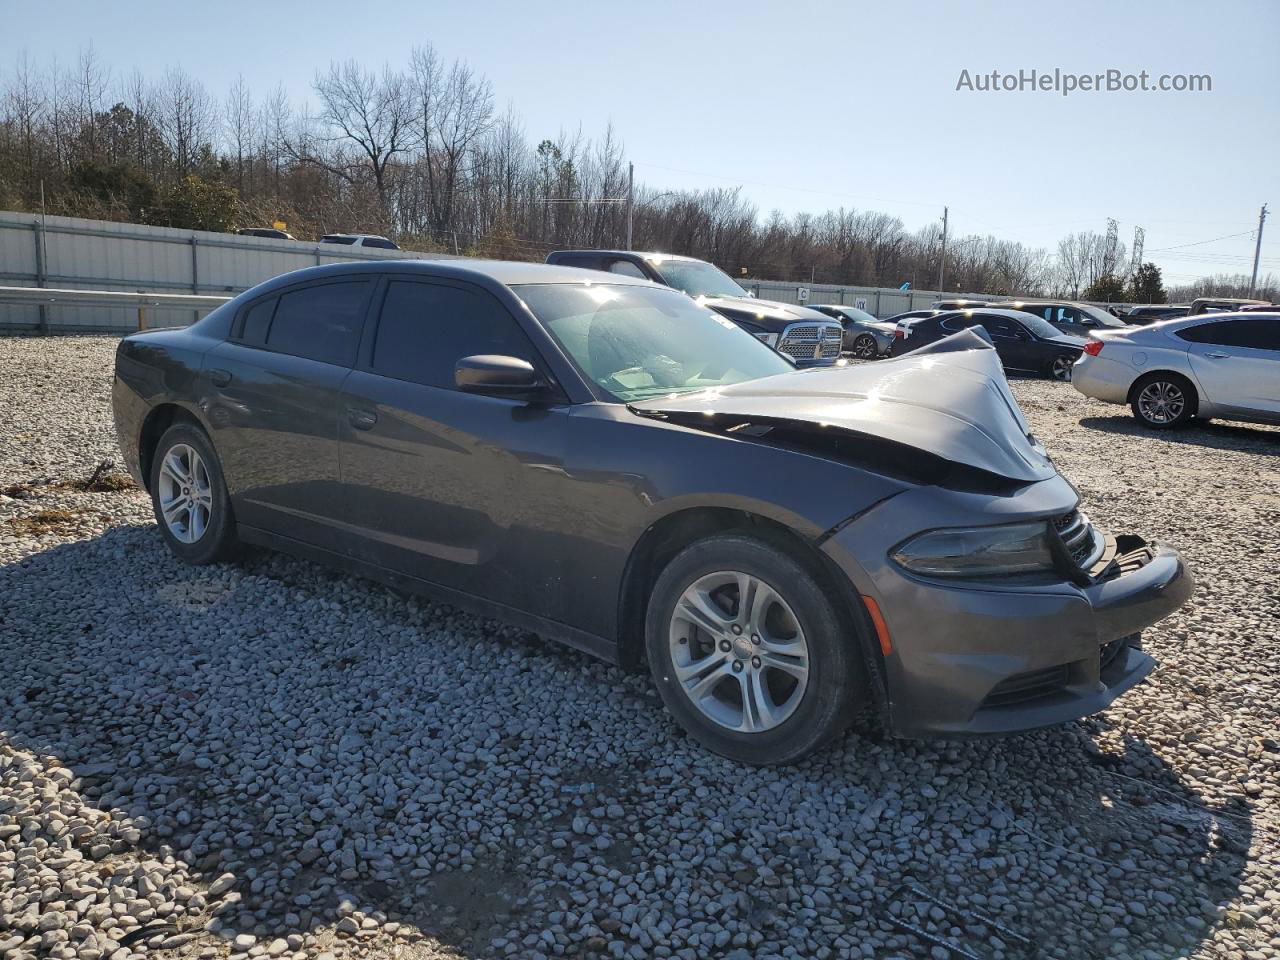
[[185, 493], [738, 651], [864, 348], [1061, 368], [1161, 402]]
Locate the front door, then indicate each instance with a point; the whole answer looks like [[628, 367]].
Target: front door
[[464, 490]]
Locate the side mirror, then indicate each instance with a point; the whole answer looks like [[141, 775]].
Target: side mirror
[[1087, 322], [499, 375]]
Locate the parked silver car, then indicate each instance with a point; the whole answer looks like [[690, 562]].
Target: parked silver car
[[1213, 365], [864, 336]]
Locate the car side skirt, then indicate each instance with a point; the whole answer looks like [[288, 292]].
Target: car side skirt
[[597, 646]]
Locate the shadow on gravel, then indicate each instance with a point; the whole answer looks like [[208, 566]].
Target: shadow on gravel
[[1215, 434], [337, 747]]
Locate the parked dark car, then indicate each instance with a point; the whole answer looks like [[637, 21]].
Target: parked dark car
[[912, 315], [864, 336], [1069, 316], [1142, 316], [808, 337], [269, 232], [612, 464], [1025, 342]]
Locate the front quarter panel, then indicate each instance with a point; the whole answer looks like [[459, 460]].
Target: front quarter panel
[[627, 473]]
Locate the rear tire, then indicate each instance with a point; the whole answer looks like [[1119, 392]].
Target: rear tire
[[189, 497], [765, 682], [1163, 400], [1060, 368]]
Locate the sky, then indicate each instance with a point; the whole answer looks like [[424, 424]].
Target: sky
[[810, 106]]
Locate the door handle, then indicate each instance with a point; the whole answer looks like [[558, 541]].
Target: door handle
[[361, 419], [1217, 355], [220, 378]]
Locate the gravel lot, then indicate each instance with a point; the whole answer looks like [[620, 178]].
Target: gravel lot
[[270, 759]]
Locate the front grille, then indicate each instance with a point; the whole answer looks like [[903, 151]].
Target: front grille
[[1078, 536], [811, 341]]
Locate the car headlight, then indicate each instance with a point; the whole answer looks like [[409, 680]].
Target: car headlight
[[978, 551], [770, 338]]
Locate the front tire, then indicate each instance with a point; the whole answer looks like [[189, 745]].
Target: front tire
[[749, 654], [1162, 401], [865, 347], [189, 497]]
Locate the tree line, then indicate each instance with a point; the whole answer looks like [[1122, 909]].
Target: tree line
[[422, 153]]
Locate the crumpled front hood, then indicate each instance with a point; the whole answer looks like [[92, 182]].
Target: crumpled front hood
[[949, 399]]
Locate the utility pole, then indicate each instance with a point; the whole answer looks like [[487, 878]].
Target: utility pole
[[631, 201], [1257, 249], [942, 260]]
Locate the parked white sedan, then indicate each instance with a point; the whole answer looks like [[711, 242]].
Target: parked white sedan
[[1223, 365]]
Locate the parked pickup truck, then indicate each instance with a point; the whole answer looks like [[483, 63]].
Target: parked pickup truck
[[808, 337]]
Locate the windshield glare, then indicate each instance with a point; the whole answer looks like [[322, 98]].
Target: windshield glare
[[636, 342], [1104, 318], [1041, 327], [697, 278]]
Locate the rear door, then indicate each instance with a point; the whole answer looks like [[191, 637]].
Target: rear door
[[1237, 363], [273, 395], [461, 489]]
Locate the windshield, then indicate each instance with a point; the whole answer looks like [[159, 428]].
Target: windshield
[[1041, 327], [860, 316], [1104, 319], [636, 342], [697, 278]]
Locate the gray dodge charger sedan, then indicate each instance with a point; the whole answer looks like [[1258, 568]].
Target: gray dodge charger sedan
[[606, 462]]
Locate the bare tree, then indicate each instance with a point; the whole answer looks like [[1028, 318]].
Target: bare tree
[[25, 105], [453, 109], [366, 110], [185, 116], [239, 119]]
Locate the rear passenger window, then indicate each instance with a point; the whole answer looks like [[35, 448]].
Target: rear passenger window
[[426, 328], [322, 322], [256, 321], [1256, 333]]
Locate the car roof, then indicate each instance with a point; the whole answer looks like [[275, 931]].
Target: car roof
[[505, 272]]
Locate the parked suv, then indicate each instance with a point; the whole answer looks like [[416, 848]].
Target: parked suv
[[1069, 316], [360, 240], [808, 337], [1142, 316]]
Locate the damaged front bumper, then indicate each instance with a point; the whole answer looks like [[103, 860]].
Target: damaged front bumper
[[988, 658]]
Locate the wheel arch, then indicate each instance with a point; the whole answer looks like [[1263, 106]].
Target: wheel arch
[[666, 537], [159, 419], [1144, 378]]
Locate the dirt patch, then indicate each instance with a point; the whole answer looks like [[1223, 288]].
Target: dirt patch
[[49, 521]]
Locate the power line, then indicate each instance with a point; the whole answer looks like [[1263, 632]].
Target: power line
[[1200, 243]]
